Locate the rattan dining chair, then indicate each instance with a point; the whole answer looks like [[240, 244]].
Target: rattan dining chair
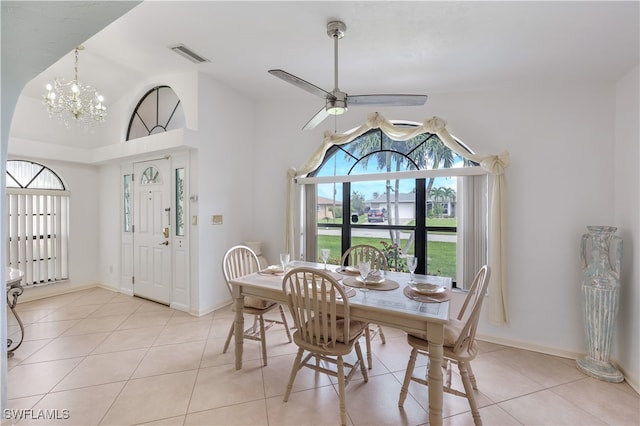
[[324, 328], [238, 261], [459, 346], [377, 259]]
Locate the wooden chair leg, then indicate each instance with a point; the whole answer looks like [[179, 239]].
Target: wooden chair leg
[[263, 340], [468, 389], [472, 377], [407, 376], [226, 343], [363, 368], [294, 371], [341, 387], [284, 322], [367, 337], [382, 338], [254, 327]]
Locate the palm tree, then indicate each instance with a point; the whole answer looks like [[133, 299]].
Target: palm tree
[[449, 196], [437, 195], [426, 151], [436, 156]]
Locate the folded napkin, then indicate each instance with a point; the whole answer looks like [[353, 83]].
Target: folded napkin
[[272, 269], [348, 270]]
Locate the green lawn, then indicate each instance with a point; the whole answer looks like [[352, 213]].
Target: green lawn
[[442, 256]]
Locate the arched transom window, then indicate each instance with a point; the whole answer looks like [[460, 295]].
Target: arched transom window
[[159, 110]]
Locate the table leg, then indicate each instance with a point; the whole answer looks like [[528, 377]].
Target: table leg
[[436, 338], [238, 325]]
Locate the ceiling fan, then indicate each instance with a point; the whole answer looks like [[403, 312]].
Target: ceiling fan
[[337, 101]]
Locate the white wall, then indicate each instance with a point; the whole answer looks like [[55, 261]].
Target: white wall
[[225, 141], [626, 348], [561, 179], [109, 264]]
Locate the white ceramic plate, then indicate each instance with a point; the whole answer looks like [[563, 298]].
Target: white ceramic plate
[[427, 288]]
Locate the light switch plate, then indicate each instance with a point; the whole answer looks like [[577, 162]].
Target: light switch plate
[[216, 219]]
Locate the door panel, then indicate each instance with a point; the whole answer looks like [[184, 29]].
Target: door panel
[[152, 251]]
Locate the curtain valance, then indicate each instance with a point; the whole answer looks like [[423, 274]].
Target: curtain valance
[[494, 165]]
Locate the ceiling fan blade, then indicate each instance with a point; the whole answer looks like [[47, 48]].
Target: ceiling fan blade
[[298, 82], [391, 100], [316, 119]]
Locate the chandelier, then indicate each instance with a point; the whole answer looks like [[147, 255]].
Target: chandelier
[[71, 101]]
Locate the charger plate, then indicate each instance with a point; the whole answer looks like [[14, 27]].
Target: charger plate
[[437, 298], [384, 285]]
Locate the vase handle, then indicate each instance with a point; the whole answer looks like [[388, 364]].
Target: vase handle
[[583, 246], [618, 260]]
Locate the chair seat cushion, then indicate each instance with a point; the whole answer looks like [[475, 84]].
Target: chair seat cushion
[[254, 302], [452, 330], [355, 329]]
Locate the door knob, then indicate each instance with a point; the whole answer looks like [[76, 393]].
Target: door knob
[[164, 243]]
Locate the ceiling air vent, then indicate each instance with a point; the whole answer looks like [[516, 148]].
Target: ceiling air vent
[[183, 50]]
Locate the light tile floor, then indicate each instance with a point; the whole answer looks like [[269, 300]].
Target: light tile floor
[[111, 359]]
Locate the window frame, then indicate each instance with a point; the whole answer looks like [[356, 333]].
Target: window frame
[[39, 215], [420, 228]]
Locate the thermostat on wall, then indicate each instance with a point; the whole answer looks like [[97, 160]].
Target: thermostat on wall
[[216, 219]]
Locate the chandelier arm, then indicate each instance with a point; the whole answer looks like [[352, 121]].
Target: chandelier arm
[[74, 102], [76, 67]]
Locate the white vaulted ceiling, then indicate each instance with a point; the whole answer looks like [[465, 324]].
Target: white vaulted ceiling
[[390, 47]]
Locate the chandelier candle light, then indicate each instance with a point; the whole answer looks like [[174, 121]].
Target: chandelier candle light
[[73, 100]]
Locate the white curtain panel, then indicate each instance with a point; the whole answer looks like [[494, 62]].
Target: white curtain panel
[[493, 164]]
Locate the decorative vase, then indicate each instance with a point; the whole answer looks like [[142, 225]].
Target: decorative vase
[[600, 299]]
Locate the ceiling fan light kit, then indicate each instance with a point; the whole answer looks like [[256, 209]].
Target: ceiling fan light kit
[[336, 107], [337, 101]]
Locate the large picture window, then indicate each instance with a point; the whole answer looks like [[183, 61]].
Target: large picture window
[[38, 222], [361, 196]]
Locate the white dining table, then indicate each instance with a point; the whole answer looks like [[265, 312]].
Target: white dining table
[[390, 308]]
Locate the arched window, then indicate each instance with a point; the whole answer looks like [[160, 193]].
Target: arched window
[[30, 175], [362, 195], [159, 110], [38, 231]]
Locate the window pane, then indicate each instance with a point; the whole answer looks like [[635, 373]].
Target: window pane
[[329, 203], [180, 202], [27, 174], [328, 219], [442, 226], [150, 175], [329, 238], [127, 203]]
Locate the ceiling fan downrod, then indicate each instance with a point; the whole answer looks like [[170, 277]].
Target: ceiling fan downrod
[[337, 105]]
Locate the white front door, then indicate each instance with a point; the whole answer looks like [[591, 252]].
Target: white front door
[[152, 265]]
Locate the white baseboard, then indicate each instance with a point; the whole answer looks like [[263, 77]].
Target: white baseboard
[[54, 289], [521, 344], [127, 291], [180, 307], [211, 309]]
